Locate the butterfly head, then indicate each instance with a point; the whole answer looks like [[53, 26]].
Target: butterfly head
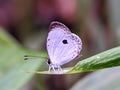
[[48, 61]]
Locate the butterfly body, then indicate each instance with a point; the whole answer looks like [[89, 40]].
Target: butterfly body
[[62, 45]]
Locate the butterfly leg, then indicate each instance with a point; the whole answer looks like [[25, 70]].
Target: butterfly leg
[[51, 68], [59, 69], [56, 69]]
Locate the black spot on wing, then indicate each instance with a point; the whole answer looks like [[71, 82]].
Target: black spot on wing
[[65, 42]]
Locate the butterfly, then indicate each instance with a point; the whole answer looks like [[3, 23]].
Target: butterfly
[[62, 45]]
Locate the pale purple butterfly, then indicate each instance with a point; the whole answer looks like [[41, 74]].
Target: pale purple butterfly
[[62, 45]]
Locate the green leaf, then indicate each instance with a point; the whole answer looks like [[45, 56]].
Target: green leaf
[[13, 67], [106, 59]]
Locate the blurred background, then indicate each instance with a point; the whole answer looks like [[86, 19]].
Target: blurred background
[[95, 21]]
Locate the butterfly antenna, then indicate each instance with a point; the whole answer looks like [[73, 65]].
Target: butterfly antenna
[[27, 57]]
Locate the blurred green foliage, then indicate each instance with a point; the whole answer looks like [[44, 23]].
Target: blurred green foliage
[[13, 68], [107, 79]]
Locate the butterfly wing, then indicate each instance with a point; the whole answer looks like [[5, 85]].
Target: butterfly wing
[[66, 52], [62, 45]]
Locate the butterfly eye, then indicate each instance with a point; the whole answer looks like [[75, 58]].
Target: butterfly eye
[[65, 42], [49, 62]]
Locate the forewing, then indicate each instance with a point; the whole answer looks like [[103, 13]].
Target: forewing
[[56, 34]]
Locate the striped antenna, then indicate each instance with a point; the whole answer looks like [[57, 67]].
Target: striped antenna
[[27, 57]]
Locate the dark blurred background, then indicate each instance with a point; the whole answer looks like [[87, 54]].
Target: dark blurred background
[[95, 21]]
